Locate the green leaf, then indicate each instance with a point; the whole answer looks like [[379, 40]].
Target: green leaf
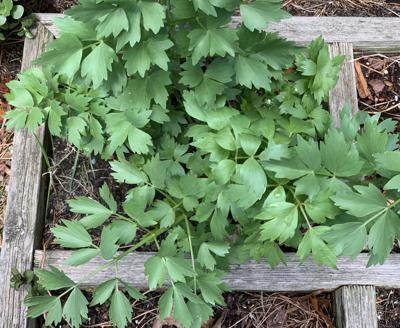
[[103, 292], [340, 157], [204, 255], [312, 244], [34, 119], [393, 183], [367, 200], [39, 305], [165, 303], [108, 242], [72, 235], [210, 288], [53, 279], [54, 123], [382, 235], [82, 256], [348, 239], [139, 141], [253, 176], [150, 52], [151, 87], [113, 23], [64, 54], [181, 310], [126, 231], [321, 207], [107, 196], [282, 221], [153, 16], [76, 128], [389, 160], [252, 72], [98, 63], [75, 308], [120, 309], [162, 212], [96, 213], [127, 173], [258, 14], [20, 98], [156, 271], [212, 42], [178, 268], [223, 171], [18, 12], [133, 292]]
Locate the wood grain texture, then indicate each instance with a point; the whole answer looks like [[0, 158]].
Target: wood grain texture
[[250, 276], [345, 92], [355, 307], [365, 33], [20, 236]]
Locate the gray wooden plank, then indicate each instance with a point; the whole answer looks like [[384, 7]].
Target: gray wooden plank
[[345, 92], [249, 276], [21, 219], [365, 33], [355, 307]]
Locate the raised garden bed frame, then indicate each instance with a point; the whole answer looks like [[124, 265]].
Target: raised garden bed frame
[[353, 284]]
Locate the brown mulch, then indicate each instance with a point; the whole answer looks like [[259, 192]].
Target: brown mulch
[[378, 84], [364, 8], [243, 310], [388, 307]]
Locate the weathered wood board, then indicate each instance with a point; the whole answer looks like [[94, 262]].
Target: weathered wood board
[[364, 33], [22, 218], [355, 307], [345, 92], [249, 276]]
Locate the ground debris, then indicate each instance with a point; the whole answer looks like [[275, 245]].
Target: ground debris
[[388, 307], [243, 310], [365, 8], [378, 84]]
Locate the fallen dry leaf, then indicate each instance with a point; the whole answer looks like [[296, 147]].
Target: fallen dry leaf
[[377, 85], [362, 85], [377, 63]]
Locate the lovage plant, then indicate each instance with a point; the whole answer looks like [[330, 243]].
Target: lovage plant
[[221, 133]]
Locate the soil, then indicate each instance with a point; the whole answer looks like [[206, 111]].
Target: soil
[[388, 307], [243, 310], [378, 84], [70, 179], [72, 175]]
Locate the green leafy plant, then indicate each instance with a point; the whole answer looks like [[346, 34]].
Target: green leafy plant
[[221, 133], [12, 20]]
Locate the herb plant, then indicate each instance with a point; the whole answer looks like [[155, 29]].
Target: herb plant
[[221, 133], [12, 20]]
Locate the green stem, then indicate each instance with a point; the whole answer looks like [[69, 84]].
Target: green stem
[[301, 207], [381, 212], [146, 239], [191, 253], [74, 169]]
